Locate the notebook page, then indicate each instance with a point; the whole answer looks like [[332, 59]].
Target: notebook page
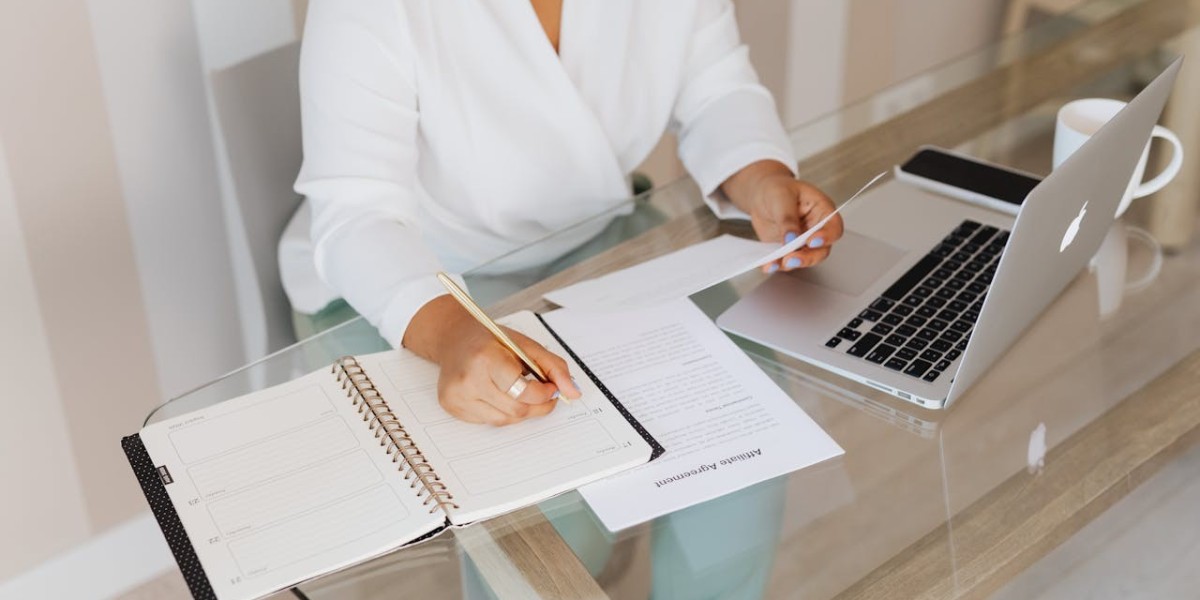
[[492, 470], [724, 423], [282, 485]]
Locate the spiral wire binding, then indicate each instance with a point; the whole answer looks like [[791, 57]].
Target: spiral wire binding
[[391, 435]]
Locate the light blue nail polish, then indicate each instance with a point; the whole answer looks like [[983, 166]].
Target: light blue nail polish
[[816, 243], [793, 263], [556, 396], [576, 384], [774, 267], [790, 237]]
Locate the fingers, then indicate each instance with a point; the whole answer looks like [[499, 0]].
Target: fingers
[[535, 399], [495, 377], [476, 388], [535, 404], [814, 207], [554, 367], [807, 257], [492, 406], [479, 412], [786, 219], [778, 218], [807, 207], [777, 215], [825, 237]]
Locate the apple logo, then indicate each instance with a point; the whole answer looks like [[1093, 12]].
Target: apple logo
[[1073, 228]]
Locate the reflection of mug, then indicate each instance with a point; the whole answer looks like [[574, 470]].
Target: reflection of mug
[[1079, 120], [1111, 265]]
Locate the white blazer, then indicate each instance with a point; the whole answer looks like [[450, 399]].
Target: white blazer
[[439, 134]]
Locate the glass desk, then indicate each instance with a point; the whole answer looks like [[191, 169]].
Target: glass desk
[[1071, 470]]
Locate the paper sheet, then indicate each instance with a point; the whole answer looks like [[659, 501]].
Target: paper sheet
[[724, 423], [683, 272]]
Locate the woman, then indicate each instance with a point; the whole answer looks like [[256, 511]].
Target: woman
[[439, 135]]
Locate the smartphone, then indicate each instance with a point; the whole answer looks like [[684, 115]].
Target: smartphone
[[968, 179]]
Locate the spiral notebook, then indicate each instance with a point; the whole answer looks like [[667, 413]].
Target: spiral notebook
[[308, 477]]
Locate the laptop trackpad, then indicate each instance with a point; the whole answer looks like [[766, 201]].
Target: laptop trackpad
[[856, 262]]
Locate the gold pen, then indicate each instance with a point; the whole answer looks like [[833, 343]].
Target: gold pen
[[469, 304]]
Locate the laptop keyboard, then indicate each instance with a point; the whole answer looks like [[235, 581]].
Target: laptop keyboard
[[923, 321]]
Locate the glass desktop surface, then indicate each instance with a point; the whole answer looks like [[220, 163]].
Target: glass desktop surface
[[1072, 469]]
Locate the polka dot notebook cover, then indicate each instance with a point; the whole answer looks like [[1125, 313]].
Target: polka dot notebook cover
[[261, 492]]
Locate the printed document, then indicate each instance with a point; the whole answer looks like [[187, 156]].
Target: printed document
[[725, 425], [683, 272]]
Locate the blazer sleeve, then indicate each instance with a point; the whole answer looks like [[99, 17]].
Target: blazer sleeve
[[724, 118], [359, 118]]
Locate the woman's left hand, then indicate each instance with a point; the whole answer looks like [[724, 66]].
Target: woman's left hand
[[780, 208]]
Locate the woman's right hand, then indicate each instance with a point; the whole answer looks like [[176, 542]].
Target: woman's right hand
[[477, 371]]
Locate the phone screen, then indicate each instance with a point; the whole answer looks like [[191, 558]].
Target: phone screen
[[985, 179]]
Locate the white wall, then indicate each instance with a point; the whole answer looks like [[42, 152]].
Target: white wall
[[229, 32], [931, 32], [816, 58], [31, 396], [115, 255], [154, 90]]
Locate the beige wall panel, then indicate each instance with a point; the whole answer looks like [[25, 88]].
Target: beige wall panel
[[764, 29], [299, 12], [889, 41], [162, 140], [931, 32], [69, 207], [47, 516], [870, 41], [816, 59]]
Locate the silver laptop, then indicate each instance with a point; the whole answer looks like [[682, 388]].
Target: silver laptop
[[924, 293]]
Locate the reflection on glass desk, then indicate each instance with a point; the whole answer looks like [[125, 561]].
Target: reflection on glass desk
[[1071, 470]]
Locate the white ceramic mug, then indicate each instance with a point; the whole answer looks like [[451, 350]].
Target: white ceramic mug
[[1080, 119]]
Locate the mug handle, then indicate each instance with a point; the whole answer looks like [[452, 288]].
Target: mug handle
[[1162, 179]]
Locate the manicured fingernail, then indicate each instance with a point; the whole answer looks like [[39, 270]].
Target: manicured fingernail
[[576, 384], [773, 267], [793, 263], [816, 243], [556, 396], [790, 237]]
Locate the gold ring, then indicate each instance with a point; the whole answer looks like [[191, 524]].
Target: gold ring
[[517, 387]]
